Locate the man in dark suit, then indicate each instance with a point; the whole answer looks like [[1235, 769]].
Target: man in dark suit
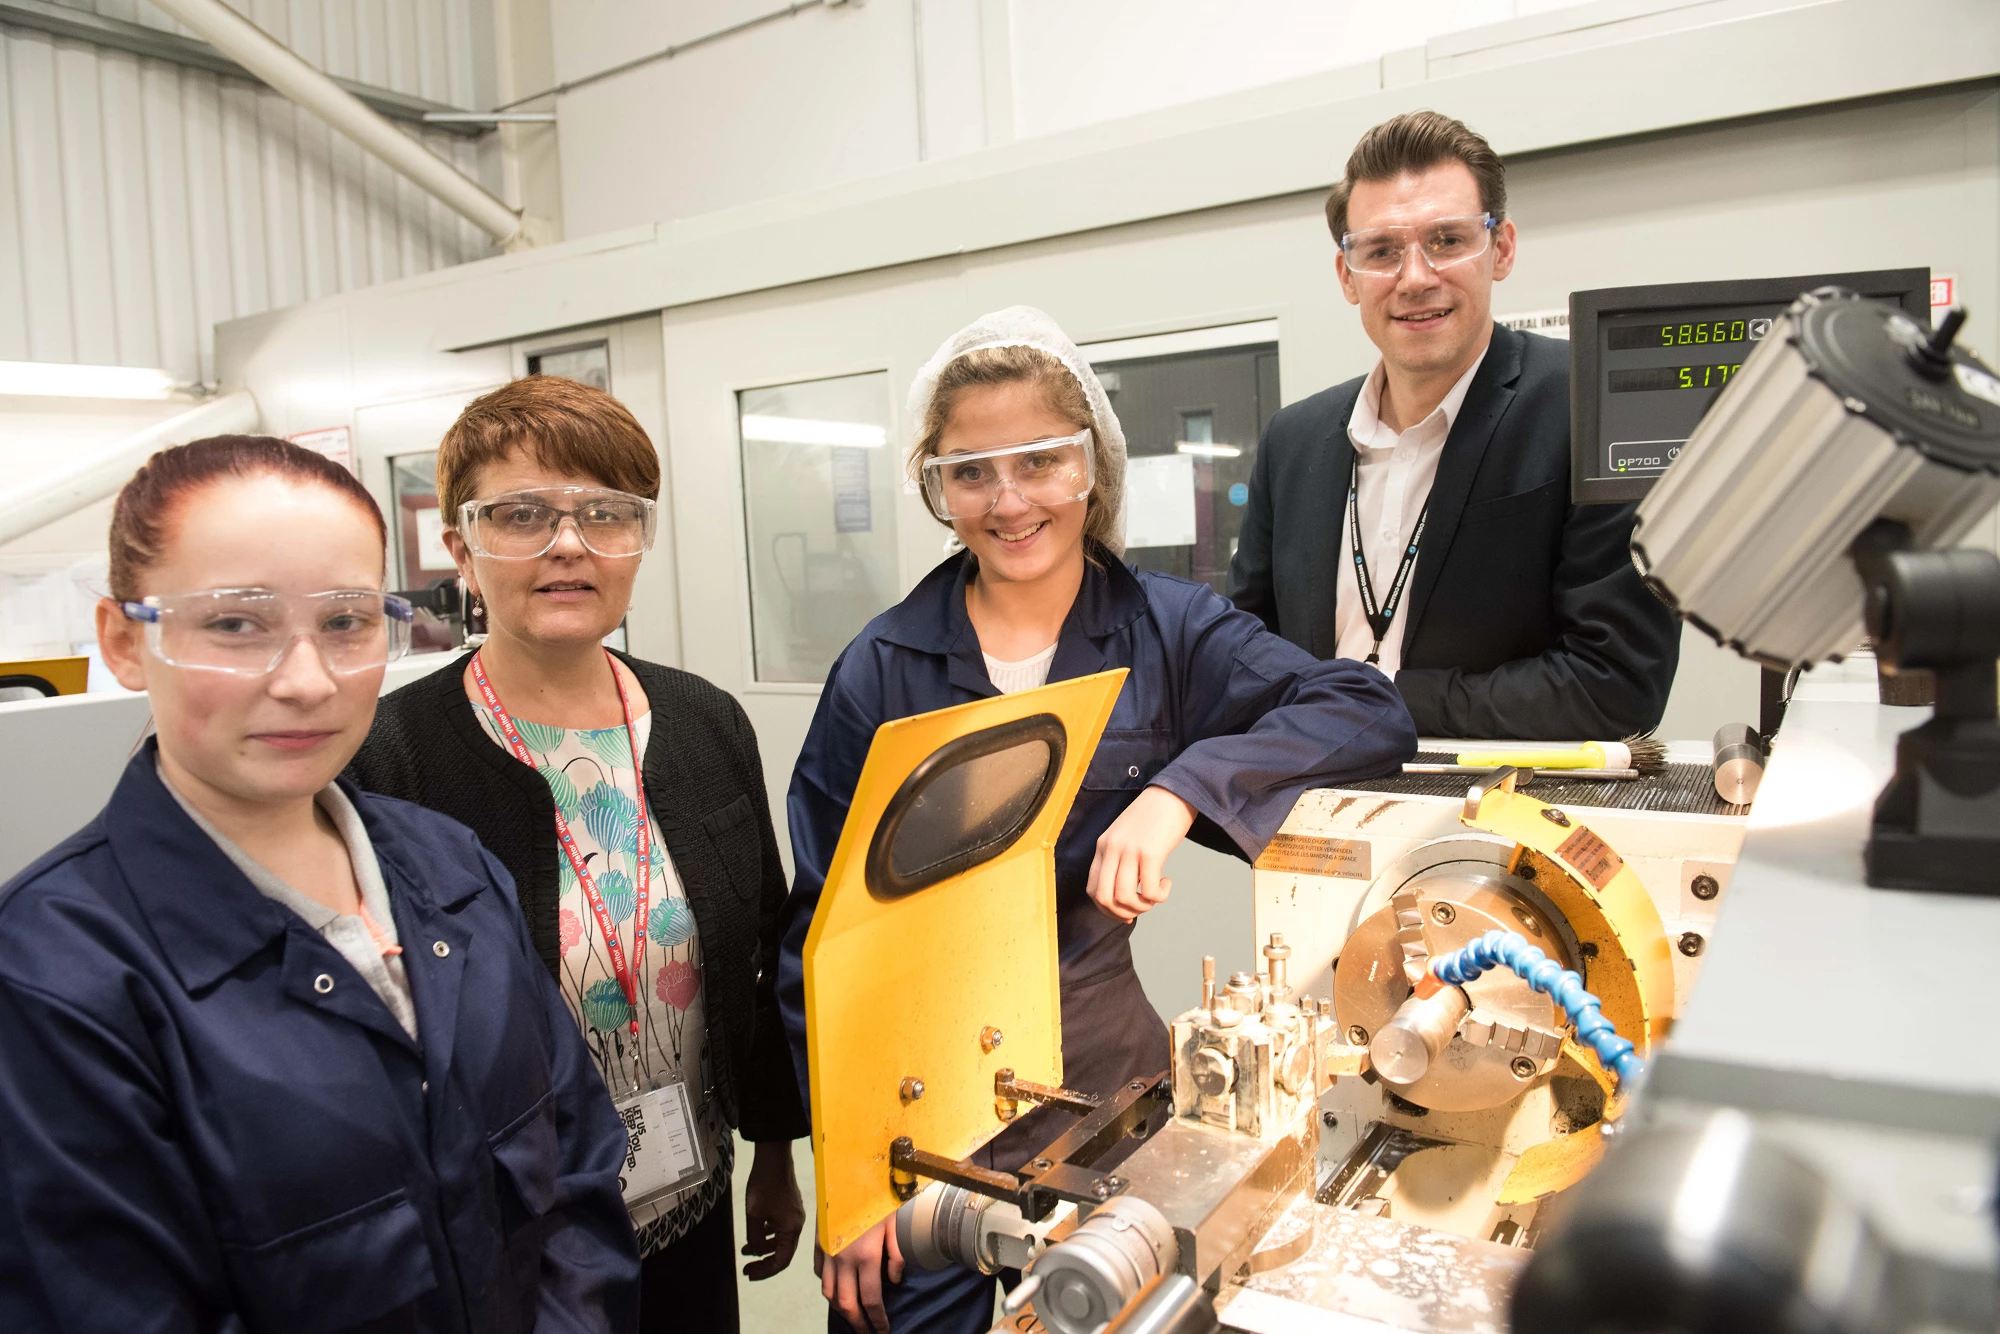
[[1497, 607]]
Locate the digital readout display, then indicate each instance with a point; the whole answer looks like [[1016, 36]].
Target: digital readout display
[[1658, 372], [1692, 333], [1672, 377]]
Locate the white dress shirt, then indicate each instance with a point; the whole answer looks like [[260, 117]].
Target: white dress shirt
[[1396, 472]]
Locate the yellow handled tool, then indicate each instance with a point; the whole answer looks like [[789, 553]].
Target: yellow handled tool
[[1641, 753]]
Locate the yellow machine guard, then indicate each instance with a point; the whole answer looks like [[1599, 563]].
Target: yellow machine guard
[[1610, 911], [902, 990]]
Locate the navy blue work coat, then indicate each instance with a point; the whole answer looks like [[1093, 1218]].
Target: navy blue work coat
[[1217, 710], [208, 1121]]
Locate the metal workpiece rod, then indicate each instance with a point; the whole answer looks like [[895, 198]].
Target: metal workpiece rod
[[1403, 1049], [1738, 763], [282, 68], [1168, 1304], [1208, 981], [100, 472], [1276, 953]]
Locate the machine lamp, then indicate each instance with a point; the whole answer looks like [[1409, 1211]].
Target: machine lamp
[[1823, 495]]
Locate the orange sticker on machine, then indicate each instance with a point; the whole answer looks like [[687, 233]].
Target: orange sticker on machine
[[1317, 856], [1591, 857]]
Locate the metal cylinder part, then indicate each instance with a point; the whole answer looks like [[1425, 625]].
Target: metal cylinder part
[[1170, 1304], [1739, 763], [1276, 953], [1091, 1276], [940, 1227], [946, 1226], [1403, 1049]]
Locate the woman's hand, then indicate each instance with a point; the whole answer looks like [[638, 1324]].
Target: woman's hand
[[773, 1212], [852, 1280], [1125, 877]]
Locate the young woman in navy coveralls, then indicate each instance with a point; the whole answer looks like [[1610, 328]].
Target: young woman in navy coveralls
[[1219, 728], [277, 1054]]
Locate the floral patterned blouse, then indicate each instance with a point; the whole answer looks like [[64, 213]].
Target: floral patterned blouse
[[589, 770]]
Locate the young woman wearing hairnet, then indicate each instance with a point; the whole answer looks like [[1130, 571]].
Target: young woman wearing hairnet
[[1220, 726]]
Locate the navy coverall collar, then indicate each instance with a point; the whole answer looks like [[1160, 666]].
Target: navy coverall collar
[[208, 932], [933, 619]]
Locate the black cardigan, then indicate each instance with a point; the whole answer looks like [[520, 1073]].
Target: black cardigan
[[705, 789]]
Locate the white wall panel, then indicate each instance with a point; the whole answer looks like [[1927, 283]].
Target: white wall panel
[[827, 96], [1078, 64], [141, 201], [845, 92]]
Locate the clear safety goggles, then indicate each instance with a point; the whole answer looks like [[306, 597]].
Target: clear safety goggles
[[1057, 471], [1442, 242], [249, 631], [522, 525]]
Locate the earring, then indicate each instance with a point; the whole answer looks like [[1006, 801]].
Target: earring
[[478, 606]]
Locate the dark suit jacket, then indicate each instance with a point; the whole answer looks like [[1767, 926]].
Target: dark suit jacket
[[1526, 616], [705, 788]]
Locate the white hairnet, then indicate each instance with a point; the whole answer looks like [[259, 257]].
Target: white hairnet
[[1024, 326]]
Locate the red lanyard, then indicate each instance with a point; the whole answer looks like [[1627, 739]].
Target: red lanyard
[[627, 975]]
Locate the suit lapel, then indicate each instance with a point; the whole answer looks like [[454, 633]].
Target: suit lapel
[[1329, 499], [1486, 401]]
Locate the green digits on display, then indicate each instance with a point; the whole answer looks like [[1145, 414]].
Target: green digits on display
[[1718, 331]]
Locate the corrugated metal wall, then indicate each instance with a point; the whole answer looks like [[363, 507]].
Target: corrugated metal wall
[[142, 201]]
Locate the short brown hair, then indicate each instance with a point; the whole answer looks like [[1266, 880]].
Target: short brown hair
[[1417, 141], [564, 425], [1064, 396], [142, 516]]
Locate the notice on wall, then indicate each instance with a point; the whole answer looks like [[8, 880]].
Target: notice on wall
[[334, 442], [1547, 323], [851, 508], [1159, 501], [432, 553], [1944, 294]]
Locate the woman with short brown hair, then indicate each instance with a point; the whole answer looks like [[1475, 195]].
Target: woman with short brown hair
[[627, 799]]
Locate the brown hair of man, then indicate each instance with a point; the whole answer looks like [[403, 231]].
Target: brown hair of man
[[565, 426], [1415, 142]]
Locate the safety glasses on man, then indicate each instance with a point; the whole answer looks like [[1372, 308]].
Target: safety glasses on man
[[249, 631], [522, 525], [1057, 471], [1443, 241]]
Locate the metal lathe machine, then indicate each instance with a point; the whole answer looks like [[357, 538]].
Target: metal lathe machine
[[1509, 1051]]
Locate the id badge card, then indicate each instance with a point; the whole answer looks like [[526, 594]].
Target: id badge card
[[664, 1155]]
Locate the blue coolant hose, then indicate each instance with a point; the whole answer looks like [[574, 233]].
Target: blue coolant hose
[[1550, 978]]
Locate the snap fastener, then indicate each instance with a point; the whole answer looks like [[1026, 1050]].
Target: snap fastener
[[323, 983], [1133, 772], [440, 949]]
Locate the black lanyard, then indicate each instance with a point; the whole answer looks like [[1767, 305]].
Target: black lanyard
[[1379, 618]]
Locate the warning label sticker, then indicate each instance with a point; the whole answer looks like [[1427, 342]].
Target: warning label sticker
[[1591, 856], [1310, 855]]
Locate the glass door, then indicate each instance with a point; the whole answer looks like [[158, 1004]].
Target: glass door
[[1192, 420]]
